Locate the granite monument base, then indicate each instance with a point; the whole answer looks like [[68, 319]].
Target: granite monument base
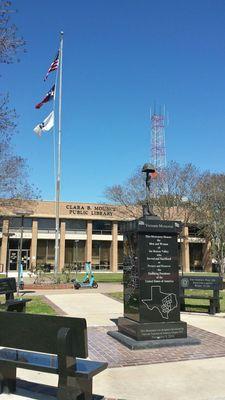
[[140, 335], [152, 330], [152, 344]]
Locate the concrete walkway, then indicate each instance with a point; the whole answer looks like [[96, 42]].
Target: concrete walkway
[[179, 380], [109, 287], [210, 323], [201, 379], [97, 308], [189, 380]]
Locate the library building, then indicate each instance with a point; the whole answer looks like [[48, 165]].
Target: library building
[[88, 232]]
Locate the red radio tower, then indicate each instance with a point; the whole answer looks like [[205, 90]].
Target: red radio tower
[[158, 146]]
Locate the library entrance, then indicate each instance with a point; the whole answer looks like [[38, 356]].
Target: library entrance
[[13, 259]]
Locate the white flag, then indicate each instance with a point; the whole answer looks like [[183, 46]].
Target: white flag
[[46, 125]]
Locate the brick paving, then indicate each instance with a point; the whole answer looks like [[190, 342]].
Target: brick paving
[[105, 348]]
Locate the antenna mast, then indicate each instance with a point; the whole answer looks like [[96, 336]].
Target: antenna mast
[[158, 148], [158, 144]]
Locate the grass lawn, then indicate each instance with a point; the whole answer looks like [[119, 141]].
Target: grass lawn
[[104, 276], [191, 304], [38, 305], [99, 277], [109, 276]]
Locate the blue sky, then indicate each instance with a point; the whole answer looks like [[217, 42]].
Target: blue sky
[[119, 57]]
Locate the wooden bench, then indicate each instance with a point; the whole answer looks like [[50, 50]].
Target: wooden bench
[[8, 288], [213, 283], [60, 340]]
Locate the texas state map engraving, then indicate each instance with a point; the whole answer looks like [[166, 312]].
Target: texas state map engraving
[[163, 302]]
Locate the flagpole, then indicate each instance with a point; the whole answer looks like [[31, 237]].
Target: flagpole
[[56, 268]]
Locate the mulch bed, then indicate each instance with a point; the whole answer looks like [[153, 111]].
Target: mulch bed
[[47, 286]]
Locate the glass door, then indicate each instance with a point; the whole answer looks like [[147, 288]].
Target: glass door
[[13, 259], [25, 259], [96, 254]]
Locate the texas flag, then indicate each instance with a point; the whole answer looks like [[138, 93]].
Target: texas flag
[[49, 96]]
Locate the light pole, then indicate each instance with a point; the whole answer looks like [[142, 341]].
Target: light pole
[[8, 235], [7, 267], [76, 241], [19, 259]]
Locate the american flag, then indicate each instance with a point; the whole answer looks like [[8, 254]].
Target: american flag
[[54, 65]]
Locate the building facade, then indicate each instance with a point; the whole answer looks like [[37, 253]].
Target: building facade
[[88, 232]]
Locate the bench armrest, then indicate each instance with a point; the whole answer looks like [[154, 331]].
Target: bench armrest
[[88, 368], [71, 366], [66, 364]]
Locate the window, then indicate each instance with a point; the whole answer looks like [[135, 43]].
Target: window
[[74, 252], [15, 244], [76, 225], [101, 254], [45, 251], [119, 227], [41, 251], [16, 222], [46, 224], [102, 227], [196, 256], [195, 231], [120, 255]]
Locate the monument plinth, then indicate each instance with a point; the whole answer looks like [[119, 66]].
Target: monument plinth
[[151, 280]]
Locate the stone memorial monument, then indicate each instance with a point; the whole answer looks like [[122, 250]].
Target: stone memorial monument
[[151, 281]]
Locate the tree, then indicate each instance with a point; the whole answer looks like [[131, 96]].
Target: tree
[[10, 43], [13, 169], [171, 194], [181, 193], [209, 212]]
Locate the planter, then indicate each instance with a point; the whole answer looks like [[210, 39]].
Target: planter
[[46, 286]]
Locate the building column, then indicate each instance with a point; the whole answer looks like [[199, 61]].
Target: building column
[[207, 256], [62, 246], [5, 236], [185, 256], [88, 246], [33, 247], [114, 248]]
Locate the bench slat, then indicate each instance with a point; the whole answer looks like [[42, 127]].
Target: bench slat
[[15, 332], [48, 363]]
